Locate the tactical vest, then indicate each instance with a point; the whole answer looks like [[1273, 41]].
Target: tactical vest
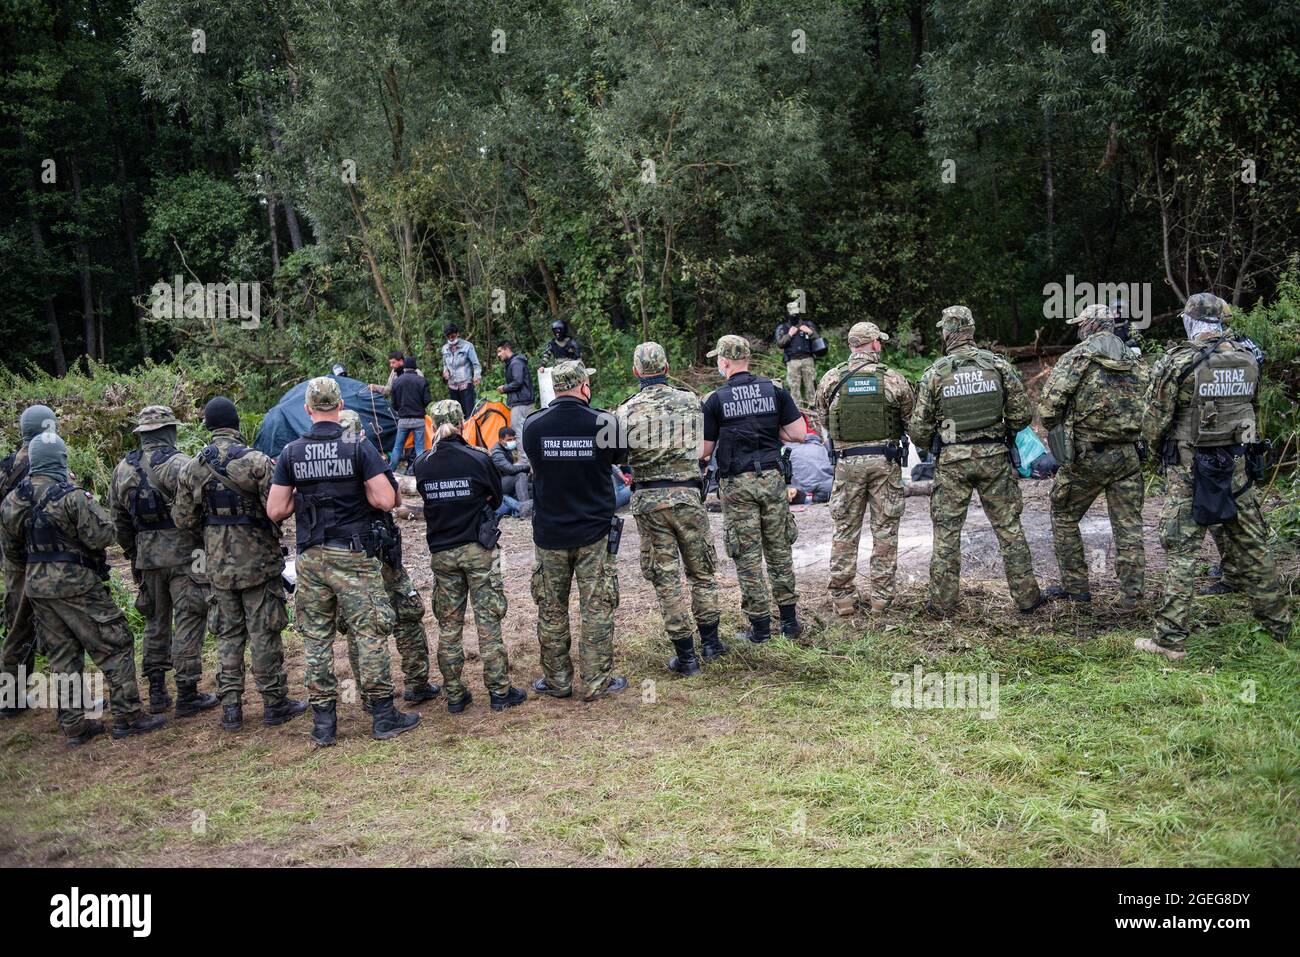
[[150, 510], [749, 427], [1221, 411], [45, 540], [223, 505], [971, 393], [326, 478], [861, 412]]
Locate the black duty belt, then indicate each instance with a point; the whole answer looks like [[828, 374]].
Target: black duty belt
[[983, 441], [346, 544], [758, 468], [75, 558], [869, 450], [667, 483]]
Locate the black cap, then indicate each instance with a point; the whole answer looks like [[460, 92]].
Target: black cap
[[220, 413]]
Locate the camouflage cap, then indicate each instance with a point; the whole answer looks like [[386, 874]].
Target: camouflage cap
[[1098, 311], [350, 421], [864, 332], [323, 394], [154, 417], [446, 412], [570, 374], [731, 347], [649, 359], [1205, 307], [956, 317]]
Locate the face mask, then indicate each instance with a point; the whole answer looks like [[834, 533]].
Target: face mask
[[722, 372], [511, 446]]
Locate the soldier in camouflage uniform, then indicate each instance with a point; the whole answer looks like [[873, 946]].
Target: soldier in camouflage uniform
[[969, 406], [1095, 396], [573, 448], [333, 487], [59, 534], [461, 489], [664, 427], [223, 491], [1201, 414], [747, 418], [19, 648], [865, 406], [408, 607], [163, 559]]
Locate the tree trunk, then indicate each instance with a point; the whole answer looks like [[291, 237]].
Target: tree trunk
[[38, 256], [1049, 185], [83, 266]]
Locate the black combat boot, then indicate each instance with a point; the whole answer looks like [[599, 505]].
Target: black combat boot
[[1042, 600], [90, 729], [232, 717], [791, 626], [286, 709], [541, 687], [458, 707], [1056, 591], [325, 724], [512, 698], [141, 725], [159, 699], [684, 662], [421, 692], [387, 722], [613, 686], [759, 630], [711, 645], [190, 700]]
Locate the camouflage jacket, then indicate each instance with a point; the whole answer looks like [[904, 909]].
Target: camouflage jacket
[[235, 556], [1103, 385], [79, 517], [663, 427], [1166, 398], [13, 469], [151, 548], [926, 422], [898, 391]]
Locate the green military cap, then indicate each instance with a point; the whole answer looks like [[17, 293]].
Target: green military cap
[[731, 347], [1205, 307], [864, 332], [649, 359], [154, 417], [956, 317], [446, 412], [323, 394], [350, 421], [1096, 312], [569, 374]]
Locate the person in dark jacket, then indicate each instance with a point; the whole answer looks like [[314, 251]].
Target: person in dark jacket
[[518, 387], [795, 337], [409, 397], [562, 346], [514, 471]]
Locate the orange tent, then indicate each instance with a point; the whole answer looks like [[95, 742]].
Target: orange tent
[[428, 436], [485, 424]]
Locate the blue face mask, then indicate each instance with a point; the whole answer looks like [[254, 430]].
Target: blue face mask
[[511, 445]]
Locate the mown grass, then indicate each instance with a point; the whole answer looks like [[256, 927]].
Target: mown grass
[[789, 754]]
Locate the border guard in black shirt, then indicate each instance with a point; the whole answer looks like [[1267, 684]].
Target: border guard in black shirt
[[333, 485], [747, 419], [573, 449], [461, 491]]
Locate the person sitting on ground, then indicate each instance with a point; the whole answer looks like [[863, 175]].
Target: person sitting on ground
[[811, 465], [514, 472]]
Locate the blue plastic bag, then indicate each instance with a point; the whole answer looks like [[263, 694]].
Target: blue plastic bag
[[1030, 448]]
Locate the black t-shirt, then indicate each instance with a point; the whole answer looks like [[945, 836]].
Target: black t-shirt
[[324, 468], [744, 416], [572, 449], [456, 482]]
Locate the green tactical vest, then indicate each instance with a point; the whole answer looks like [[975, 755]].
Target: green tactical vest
[[1222, 410], [862, 411], [970, 393]]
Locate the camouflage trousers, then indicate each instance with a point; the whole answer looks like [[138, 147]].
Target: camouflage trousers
[[757, 524], [1229, 574], [408, 628], [865, 482], [801, 377], [667, 533], [470, 573], [1245, 546], [19, 646], [1116, 472], [88, 624], [347, 586], [994, 479], [251, 618], [552, 581], [170, 595]]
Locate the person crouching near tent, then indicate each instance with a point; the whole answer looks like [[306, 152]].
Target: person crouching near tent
[[409, 397], [461, 490], [515, 472]]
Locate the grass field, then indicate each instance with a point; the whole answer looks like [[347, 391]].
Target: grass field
[[787, 754]]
